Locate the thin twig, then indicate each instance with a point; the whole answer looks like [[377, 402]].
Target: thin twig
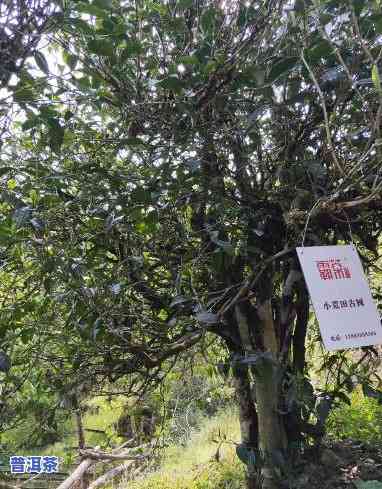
[[325, 111]]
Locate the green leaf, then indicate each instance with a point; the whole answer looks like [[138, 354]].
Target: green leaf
[[322, 49], [68, 115], [56, 134], [101, 47], [98, 327], [188, 60], [103, 4], [83, 82], [140, 196], [358, 6], [91, 9], [360, 484], [81, 25], [208, 20], [22, 216], [171, 83], [259, 75], [30, 123], [112, 27], [282, 67], [131, 142], [6, 234], [34, 196], [47, 112], [26, 335], [24, 95], [70, 59], [378, 25], [41, 62], [5, 169], [376, 78], [11, 184], [161, 9], [185, 3], [132, 49]]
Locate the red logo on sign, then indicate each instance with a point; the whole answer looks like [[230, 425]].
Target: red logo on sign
[[332, 269]]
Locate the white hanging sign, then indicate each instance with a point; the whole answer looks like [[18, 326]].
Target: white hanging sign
[[341, 297]]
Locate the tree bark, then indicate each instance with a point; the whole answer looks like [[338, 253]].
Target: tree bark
[[109, 475], [4, 485], [77, 474], [80, 429], [287, 315], [249, 428], [302, 309], [295, 311], [247, 412], [81, 438], [272, 438]]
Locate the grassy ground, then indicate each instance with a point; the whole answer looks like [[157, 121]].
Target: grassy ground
[[195, 466]]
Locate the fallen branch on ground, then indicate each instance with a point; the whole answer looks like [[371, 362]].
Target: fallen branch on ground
[[5, 485], [93, 456], [77, 474], [114, 472], [97, 455]]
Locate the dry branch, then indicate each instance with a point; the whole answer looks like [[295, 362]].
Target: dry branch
[[91, 457], [5, 485], [97, 455], [77, 474], [114, 472]]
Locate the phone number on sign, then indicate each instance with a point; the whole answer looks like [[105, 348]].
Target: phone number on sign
[[352, 336], [364, 334]]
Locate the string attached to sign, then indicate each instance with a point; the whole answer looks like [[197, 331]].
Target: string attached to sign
[[307, 222], [348, 221]]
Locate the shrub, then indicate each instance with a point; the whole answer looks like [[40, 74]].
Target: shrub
[[361, 420]]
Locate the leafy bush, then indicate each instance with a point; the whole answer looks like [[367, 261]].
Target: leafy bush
[[361, 420]]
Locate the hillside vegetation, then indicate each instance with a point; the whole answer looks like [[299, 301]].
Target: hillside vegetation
[[199, 464]]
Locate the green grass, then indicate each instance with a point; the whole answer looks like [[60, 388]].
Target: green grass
[[194, 466], [362, 420]]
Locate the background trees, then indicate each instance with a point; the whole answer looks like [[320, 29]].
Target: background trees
[[160, 186]]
